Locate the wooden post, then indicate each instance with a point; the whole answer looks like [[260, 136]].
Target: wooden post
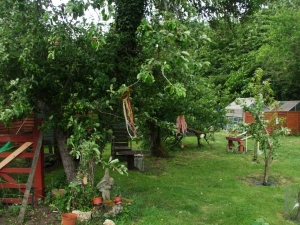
[[39, 182]]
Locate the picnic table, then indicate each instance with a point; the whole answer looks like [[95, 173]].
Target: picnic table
[[240, 144]]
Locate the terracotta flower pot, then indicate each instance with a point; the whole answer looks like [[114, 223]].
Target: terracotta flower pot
[[118, 200], [97, 200], [69, 218]]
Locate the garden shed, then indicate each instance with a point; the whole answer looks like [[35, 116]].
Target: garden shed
[[235, 112], [287, 110]]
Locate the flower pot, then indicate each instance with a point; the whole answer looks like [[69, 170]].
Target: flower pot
[[69, 218], [118, 200], [97, 200]]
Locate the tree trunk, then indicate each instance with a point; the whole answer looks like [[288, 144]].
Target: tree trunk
[[156, 146], [67, 160], [268, 161]]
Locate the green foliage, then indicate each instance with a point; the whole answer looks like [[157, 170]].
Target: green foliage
[[55, 64], [165, 43], [115, 165], [228, 10], [14, 209], [283, 45], [59, 202], [80, 196], [86, 144]]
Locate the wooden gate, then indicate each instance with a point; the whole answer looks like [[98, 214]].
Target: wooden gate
[[25, 145]]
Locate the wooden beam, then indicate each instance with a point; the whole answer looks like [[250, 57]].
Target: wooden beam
[[30, 178], [12, 185], [14, 200], [14, 154], [16, 138], [15, 170]]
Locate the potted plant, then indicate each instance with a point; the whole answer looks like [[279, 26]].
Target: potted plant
[[118, 200], [67, 218], [97, 200], [118, 196]]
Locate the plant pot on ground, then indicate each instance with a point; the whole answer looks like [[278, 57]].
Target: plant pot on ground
[[69, 218], [118, 200], [97, 200]]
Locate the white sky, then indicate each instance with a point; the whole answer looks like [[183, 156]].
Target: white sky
[[91, 14]]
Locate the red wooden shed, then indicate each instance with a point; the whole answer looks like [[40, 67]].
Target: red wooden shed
[[287, 110], [291, 119]]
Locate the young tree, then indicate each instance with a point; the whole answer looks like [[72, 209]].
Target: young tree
[[266, 131]]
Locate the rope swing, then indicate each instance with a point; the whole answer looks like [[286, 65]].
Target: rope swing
[[128, 114]]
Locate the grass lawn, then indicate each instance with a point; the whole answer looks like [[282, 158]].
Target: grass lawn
[[208, 186]]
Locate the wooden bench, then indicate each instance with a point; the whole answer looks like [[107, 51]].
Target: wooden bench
[[199, 135], [121, 146]]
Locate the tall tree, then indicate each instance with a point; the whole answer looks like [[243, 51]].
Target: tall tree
[[279, 57], [48, 65], [53, 63]]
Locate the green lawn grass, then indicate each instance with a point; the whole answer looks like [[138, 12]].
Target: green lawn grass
[[208, 186]]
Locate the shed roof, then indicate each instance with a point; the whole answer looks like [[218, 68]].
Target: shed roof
[[288, 106], [235, 110]]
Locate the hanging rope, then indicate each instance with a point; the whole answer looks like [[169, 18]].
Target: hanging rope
[[128, 114], [22, 125]]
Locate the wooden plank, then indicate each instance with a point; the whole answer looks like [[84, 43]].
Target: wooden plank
[[15, 138], [134, 152], [14, 154], [8, 178], [15, 186], [15, 170], [14, 200], [234, 139], [30, 179]]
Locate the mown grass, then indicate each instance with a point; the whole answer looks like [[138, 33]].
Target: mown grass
[[208, 186]]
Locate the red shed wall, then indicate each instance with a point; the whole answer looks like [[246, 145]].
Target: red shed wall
[[292, 119]]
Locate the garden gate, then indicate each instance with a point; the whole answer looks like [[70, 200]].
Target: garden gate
[[24, 136]]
